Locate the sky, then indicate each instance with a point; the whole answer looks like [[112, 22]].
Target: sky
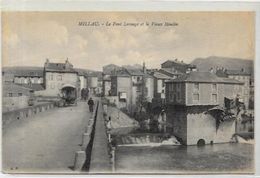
[[28, 38]]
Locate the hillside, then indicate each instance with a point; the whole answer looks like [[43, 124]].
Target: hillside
[[204, 64], [18, 69]]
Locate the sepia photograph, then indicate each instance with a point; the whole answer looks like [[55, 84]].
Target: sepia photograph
[[108, 92]]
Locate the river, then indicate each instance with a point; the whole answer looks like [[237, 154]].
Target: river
[[221, 158], [136, 154]]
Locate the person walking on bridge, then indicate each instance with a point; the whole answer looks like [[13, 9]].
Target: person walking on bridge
[[90, 104]]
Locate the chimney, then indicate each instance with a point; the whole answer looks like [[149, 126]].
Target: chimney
[[242, 69], [176, 59], [144, 68], [46, 62], [181, 61]]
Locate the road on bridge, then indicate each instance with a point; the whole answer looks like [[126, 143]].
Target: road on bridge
[[46, 142]]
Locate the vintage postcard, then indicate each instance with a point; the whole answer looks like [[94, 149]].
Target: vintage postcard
[[149, 92]]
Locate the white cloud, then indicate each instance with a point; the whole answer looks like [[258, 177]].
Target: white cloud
[[45, 32], [13, 40]]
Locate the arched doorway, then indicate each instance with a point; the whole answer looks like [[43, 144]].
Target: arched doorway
[[201, 142]]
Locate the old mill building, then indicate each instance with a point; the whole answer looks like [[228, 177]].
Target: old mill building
[[196, 107]]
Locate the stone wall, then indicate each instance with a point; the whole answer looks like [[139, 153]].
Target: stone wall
[[190, 124], [12, 116], [201, 125], [13, 103]]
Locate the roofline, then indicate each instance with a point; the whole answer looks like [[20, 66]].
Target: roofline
[[120, 75], [61, 71], [239, 83], [240, 74], [28, 76]]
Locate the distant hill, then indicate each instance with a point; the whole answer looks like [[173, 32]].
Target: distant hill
[[134, 66], [21, 68], [204, 64], [18, 69]]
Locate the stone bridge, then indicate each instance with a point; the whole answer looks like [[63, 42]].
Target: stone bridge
[[48, 139]]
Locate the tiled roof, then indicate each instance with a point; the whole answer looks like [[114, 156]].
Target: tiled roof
[[121, 73], [160, 75], [230, 80], [33, 86], [170, 71], [237, 72], [204, 77], [28, 73], [134, 71], [59, 67], [15, 88]]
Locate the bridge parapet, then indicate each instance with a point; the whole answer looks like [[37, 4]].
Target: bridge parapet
[[100, 157], [12, 116]]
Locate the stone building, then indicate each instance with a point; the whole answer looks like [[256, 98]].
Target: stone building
[[170, 69], [132, 86], [92, 82], [28, 76], [149, 87], [82, 78], [108, 70], [159, 86], [121, 88], [15, 96], [176, 66], [243, 76], [106, 84], [57, 75], [196, 107]]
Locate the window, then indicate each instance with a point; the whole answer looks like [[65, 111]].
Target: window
[[162, 91], [52, 86], [163, 83], [178, 85], [196, 97], [59, 77], [214, 87], [214, 98], [174, 87], [171, 96], [10, 94], [245, 91], [122, 95], [178, 96], [196, 86], [138, 79], [20, 94], [51, 77]]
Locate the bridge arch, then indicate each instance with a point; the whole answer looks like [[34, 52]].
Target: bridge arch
[[201, 142]]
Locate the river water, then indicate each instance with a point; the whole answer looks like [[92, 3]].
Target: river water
[[220, 158], [134, 154]]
